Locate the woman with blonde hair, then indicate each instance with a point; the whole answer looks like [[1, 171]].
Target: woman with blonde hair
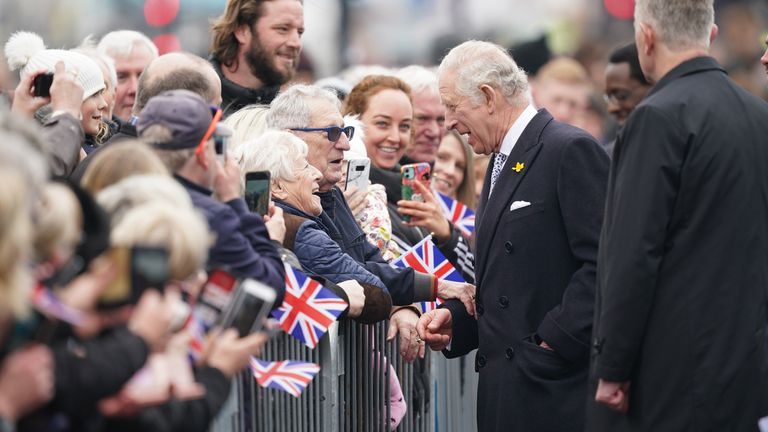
[[118, 161]]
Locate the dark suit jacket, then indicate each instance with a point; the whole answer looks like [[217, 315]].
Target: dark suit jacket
[[535, 269], [683, 266]]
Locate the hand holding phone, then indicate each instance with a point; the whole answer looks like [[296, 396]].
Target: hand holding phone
[[137, 268], [41, 85], [248, 307], [409, 174]]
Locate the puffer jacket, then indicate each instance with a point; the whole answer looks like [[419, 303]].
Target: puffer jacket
[[317, 252]]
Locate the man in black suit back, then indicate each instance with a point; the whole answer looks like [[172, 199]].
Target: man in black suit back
[[682, 272], [538, 225]]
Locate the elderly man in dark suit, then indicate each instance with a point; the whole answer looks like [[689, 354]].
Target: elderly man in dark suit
[[537, 232], [680, 320]]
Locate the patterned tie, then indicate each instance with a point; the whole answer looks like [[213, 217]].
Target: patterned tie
[[498, 164]]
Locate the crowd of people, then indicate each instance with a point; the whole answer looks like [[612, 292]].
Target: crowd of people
[[618, 263]]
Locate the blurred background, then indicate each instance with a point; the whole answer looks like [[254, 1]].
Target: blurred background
[[340, 33]]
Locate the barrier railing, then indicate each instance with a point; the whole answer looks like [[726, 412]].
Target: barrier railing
[[351, 391]]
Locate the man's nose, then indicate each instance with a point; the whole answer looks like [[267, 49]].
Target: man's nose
[[342, 143], [450, 120]]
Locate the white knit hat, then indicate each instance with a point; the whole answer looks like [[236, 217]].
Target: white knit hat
[[26, 51]]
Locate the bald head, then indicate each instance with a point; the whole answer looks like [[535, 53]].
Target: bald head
[[178, 71]]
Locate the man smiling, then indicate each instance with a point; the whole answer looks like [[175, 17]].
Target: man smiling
[[255, 49]]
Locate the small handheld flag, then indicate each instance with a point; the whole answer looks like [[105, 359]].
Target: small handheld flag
[[461, 216], [425, 257], [308, 309], [287, 375]]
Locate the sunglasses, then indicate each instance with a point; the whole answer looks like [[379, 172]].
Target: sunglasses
[[333, 132], [216, 113]]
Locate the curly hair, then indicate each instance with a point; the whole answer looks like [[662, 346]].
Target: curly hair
[[361, 94]]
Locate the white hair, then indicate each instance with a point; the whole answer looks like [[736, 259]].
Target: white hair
[[247, 124], [680, 24], [275, 151], [478, 63], [132, 191], [183, 232], [420, 79], [121, 43], [293, 107]]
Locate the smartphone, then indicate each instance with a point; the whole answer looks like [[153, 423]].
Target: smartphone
[[214, 297], [137, 268], [257, 191], [248, 308], [220, 144], [418, 172], [42, 85], [358, 171]]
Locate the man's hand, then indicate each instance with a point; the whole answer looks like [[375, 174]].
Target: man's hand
[[24, 103], [226, 185], [26, 381], [403, 321], [231, 354], [458, 290], [614, 395], [428, 214], [356, 296], [275, 223], [436, 328]]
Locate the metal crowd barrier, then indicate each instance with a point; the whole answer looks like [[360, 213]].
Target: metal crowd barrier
[[351, 391]]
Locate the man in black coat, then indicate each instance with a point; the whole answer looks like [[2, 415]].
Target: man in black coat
[[680, 320], [537, 232]]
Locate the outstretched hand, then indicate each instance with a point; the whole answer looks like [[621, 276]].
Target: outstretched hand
[[436, 328]]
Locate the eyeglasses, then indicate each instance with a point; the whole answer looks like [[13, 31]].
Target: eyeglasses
[[333, 132], [216, 113]]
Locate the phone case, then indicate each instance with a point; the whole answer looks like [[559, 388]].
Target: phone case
[[412, 173]]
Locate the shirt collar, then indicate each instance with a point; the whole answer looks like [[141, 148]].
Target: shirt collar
[[514, 133]]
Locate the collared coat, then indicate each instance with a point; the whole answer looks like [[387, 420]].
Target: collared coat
[[683, 265], [537, 238]]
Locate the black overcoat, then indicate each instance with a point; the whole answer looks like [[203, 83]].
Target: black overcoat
[[536, 267], [683, 264]]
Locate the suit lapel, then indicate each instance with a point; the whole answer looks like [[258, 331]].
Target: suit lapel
[[519, 162]]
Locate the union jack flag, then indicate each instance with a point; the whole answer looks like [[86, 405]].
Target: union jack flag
[[459, 214], [287, 375], [425, 257], [308, 309], [47, 303]]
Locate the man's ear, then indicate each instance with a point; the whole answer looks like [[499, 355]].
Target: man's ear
[[713, 33], [202, 160], [278, 190], [243, 34], [489, 97], [648, 35]]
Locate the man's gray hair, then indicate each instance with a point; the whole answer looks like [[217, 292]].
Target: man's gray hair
[[680, 24], [293, 107], [420, 79], [121, 43], [276, 151], [478, 63], [158, 134]]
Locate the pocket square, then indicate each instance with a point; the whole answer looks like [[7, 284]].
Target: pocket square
[[518, 205]]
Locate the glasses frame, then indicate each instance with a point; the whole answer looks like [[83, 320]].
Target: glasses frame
[[349, 131], [217, 113]]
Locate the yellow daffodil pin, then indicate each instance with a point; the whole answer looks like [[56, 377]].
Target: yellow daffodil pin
[[518, 167]]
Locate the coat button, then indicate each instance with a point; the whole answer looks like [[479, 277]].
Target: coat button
[[597, 345], [508, 247], [509, 353], [481, 361], [480, 310], [503, 302]]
